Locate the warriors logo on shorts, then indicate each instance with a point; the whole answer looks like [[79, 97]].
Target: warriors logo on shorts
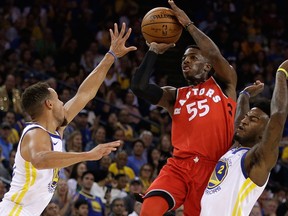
[[218, 174]]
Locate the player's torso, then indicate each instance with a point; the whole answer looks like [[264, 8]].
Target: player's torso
[[203, 121], [32, 189], [230, 185]]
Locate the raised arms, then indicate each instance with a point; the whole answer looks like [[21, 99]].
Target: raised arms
[[140, 81], [91, 84], [224, 71], [36, 144], [243, 100], [266, 152]]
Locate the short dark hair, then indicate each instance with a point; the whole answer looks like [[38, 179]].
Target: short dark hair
[[136, 141], [118, 176], [33, 97], [263, 104], [86, 173], [100, 175], [80, 202]]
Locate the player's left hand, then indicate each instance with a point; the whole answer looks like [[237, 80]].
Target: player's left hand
[[102, 149], [118, 40]]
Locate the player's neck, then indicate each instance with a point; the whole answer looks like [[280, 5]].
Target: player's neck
[[47, 125], [237, 145], [195, 82]]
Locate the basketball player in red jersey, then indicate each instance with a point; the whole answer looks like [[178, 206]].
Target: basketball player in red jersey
[[202, 120]]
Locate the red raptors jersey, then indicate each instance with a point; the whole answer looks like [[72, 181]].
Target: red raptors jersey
[[203, 121]]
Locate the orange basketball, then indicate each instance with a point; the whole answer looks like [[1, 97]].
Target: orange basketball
[[160, 25]]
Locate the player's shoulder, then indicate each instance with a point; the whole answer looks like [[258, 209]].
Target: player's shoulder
[[36, 133]]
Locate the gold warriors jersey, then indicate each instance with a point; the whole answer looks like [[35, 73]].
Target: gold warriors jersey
[[31, 189], [230, 191]]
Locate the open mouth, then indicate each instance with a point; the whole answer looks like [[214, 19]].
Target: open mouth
[[185, 69], [240, 128]]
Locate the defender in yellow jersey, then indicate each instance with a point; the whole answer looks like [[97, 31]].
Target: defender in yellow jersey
[[241, 174]]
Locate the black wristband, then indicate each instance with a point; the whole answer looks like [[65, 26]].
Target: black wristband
[[186, 26]]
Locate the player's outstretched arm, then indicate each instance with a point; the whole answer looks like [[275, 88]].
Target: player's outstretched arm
[[140, 81], [224, 71], [267, 150], [37, 150], [91, 84]]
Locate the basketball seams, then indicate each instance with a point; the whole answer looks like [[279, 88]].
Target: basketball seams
[[159, 37], [161, 25], [170, 12]]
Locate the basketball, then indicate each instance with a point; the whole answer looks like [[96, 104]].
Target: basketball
[[160, 25]]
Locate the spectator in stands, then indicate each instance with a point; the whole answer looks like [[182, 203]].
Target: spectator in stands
[[124, 124], [95, 205], [52, 209], [81, 208], [10, 117], [137, 159], [74, 182], [146, 176], [154, 159], [99, 136], [120, 167], [62, 198], [119, 191], [10, 95], [135, 187], [5, 130], [74, 142], [81, 121], [118, 207], [102, 185]]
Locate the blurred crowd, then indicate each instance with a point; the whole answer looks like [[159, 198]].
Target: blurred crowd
[[62, 41]]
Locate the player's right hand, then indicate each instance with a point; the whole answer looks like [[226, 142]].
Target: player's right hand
[[179, 13], [102, 149]]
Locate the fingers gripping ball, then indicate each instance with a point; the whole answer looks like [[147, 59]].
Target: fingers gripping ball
[[160, 25]]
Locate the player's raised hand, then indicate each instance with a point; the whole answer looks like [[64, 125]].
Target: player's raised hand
[[255, 89], [102, 149], [118, 40], [179, 13]]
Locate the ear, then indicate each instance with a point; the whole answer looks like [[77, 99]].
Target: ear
[[207, 67], [48, 104]]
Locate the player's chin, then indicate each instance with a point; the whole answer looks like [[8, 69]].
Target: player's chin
[[237, 136]]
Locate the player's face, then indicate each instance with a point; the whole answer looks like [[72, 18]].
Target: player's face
[[194, 66], [251, 127], [58, 106]]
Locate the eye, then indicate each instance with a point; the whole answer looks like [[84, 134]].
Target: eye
[[254, 119]]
